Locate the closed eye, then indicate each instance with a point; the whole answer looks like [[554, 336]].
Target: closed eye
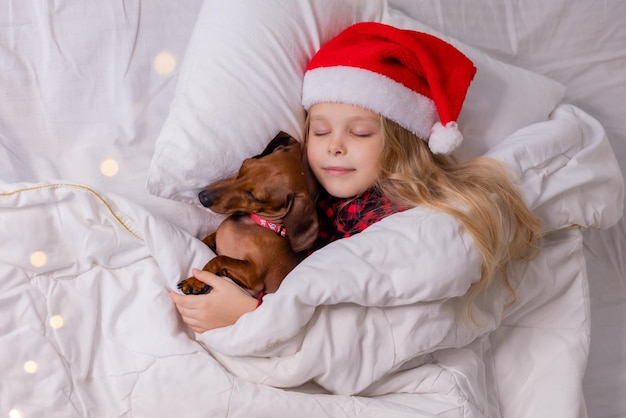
[[252, 197]]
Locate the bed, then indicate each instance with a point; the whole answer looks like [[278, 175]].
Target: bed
[[114, 114]]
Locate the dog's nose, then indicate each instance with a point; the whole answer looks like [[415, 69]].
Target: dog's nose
[[205, 199]]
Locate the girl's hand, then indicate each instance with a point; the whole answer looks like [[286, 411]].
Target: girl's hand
[[223, 306]]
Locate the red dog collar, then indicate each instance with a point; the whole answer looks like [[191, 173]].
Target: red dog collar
[[272, 226]]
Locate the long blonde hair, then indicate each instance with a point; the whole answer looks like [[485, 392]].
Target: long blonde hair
[[478, 193]]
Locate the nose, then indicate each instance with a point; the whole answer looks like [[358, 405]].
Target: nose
[[205, 198], [336, 145]]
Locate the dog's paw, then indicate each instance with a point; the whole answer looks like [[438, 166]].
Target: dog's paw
[[193, 286]]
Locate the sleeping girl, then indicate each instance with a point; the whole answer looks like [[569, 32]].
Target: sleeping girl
[[382, 105]]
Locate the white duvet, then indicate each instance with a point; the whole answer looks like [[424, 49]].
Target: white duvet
[[367, 326]]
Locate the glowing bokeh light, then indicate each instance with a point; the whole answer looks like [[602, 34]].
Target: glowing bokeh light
[[30, 367], [109, 167], [164, 63], [38, 259], [15, 413], [56, 321]]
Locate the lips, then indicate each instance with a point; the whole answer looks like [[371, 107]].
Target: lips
[[337, 171]]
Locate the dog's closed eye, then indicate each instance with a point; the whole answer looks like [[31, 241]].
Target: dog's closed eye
[[252, 197]]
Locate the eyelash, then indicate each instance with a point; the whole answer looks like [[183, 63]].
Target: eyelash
[[251, 196], [352, 133]]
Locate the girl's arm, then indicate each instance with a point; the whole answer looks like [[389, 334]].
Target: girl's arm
[[223, 306]]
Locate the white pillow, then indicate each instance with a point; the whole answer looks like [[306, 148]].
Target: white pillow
[[241, 78]]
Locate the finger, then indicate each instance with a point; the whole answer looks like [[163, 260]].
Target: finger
[[197, 329], [193, 323], [184, 303], [176, 298], [188, 317]]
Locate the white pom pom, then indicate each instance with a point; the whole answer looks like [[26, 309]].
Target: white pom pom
[[444, 139]]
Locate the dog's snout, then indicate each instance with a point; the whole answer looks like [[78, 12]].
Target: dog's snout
[[205, 198]]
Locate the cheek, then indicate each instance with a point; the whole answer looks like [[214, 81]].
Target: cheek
[[370, 158], [312, 153]]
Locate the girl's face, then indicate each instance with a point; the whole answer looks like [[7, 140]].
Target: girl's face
[[344, 147]]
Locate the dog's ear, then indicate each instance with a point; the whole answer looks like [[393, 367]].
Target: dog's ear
[[311, 182], [210, 241], [281, 139], [301, 223]]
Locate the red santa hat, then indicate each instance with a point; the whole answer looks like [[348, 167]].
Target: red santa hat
[[407, 76]]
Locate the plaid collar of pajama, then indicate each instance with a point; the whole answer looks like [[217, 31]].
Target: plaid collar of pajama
[[342, 218]]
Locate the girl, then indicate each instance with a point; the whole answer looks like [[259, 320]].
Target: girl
[[372, 96]]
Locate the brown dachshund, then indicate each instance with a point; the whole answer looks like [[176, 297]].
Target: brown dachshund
[[272, 222]]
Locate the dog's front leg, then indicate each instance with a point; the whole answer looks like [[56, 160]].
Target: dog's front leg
[[240, 271], [193, 286]]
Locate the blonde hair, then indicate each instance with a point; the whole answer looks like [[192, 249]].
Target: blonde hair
[[478, 193]]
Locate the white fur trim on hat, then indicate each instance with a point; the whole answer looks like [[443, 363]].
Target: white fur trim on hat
[[444, 139], [372, 91]]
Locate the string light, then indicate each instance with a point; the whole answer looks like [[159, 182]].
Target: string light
[[56, 321], [109, 167], [30, 367], [38, 259], [15, 413], [164, 63]]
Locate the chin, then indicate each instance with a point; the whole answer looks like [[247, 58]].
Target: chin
[[342, 192]]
